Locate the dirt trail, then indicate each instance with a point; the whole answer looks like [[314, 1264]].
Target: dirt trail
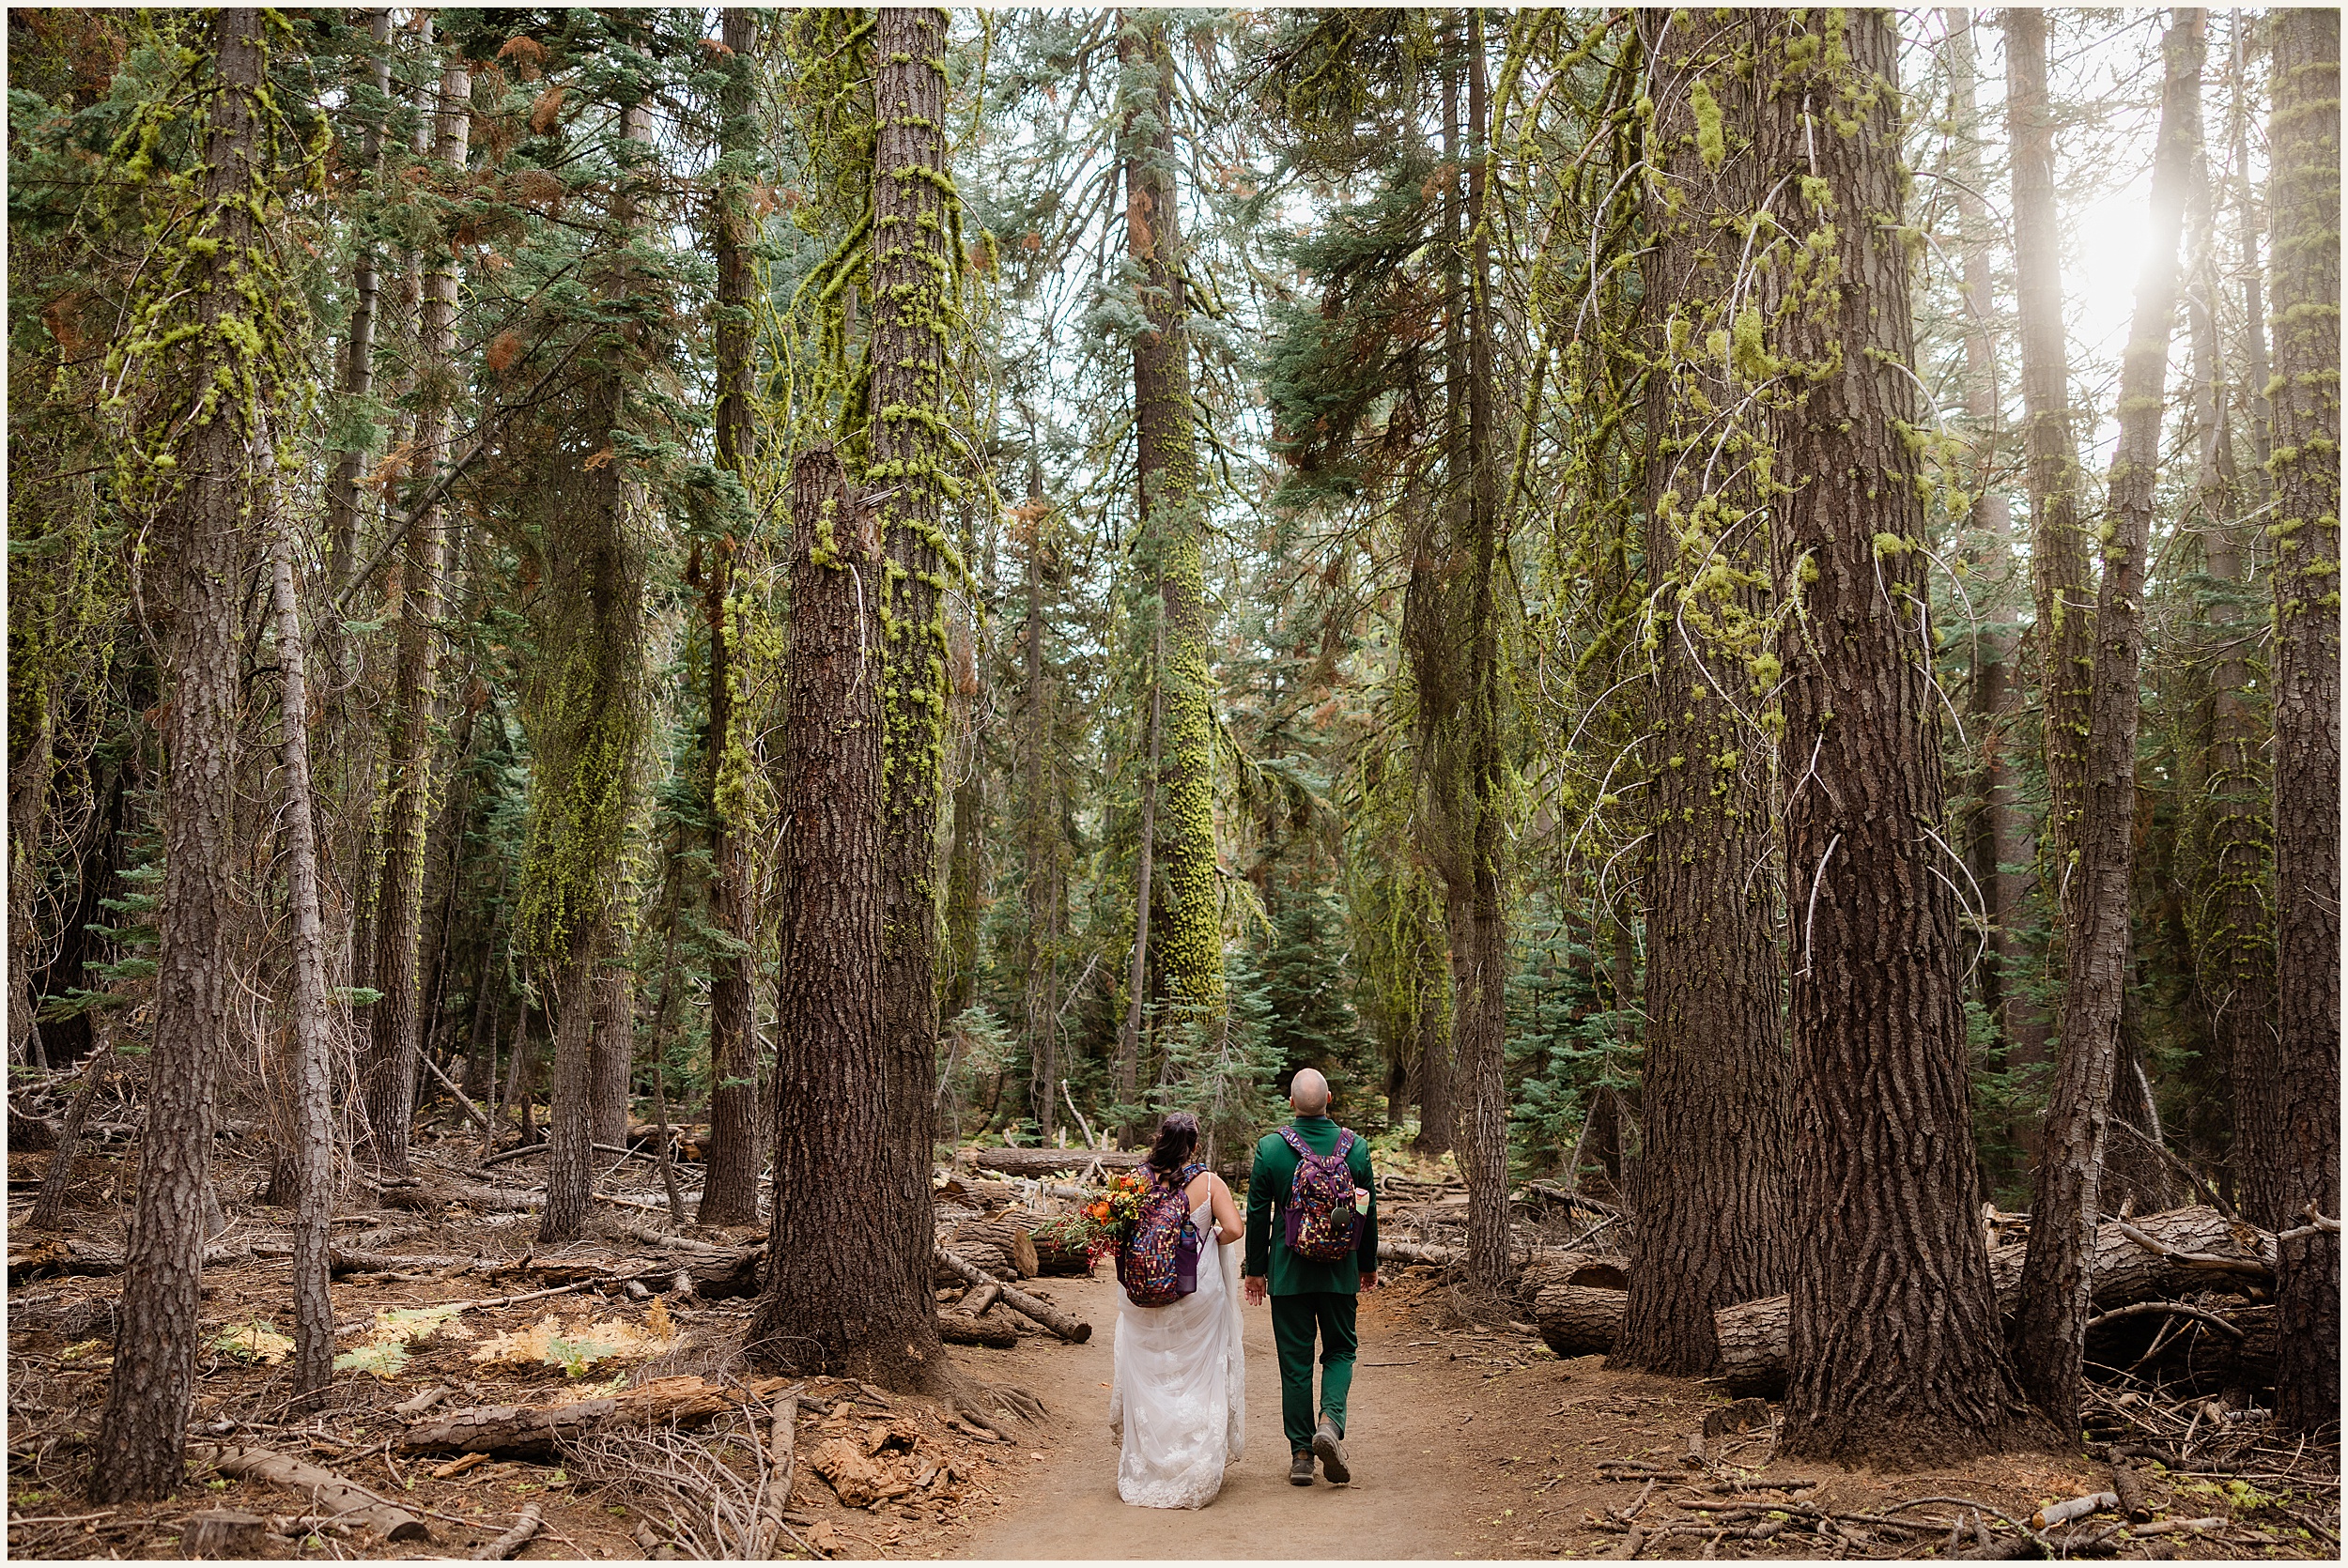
[[1415, 1493]]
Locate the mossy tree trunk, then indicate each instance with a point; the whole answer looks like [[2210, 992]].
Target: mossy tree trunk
[[1187, 931], [211, 420], [1895, 1354], [847, 1289], [2050, 1324], [2063, 595], [730, 1189], [1713, 1194], [906, 453], [589, 718], [2301, 1147]]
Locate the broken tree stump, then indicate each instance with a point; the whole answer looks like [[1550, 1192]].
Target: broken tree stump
[[1075, 1331], [224, 1533]]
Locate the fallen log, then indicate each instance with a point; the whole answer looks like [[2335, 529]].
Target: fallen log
[[224, 1533], [2158, 1255], [783, 1440], [991, 1329], [537, 1428], [1578, 1320], [1037, 1162], [330, 1494], [987, 1242], [513, 1540], [1060, 1256], [1075, 1331]]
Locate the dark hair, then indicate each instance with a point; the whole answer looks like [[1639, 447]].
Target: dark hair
[[1178, 1139]]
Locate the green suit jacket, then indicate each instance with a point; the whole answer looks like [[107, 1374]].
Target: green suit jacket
[[1267, 1185]]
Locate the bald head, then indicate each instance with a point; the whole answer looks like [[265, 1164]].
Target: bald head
[[1308, 1093]]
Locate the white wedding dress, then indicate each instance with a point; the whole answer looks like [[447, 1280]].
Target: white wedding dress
[[1178, 1401]]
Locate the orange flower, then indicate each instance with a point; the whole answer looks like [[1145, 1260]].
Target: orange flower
[[1101, 1210]]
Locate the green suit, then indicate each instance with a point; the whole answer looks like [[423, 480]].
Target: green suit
[[1310, 1297]]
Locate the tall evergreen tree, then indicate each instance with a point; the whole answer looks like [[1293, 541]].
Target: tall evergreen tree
[[1895, 1351], [1712, 1193], [2298, 1154]]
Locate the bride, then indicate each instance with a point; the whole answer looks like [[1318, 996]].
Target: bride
[[1178, 1403]]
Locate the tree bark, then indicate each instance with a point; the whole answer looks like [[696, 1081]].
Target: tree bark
[[1895, 1351], [203, 545], [2005, 840], [1138, 967], [2301, 1153], [2224, 852], [394, 1023], [357, 370], [1169, 526], [1714, 1191], [848, 1281], [907, 451], [1044, 890], [612, 1056], [311, 1068], [2065, 599], [584, 762], [730, 1187], [2050, 1327]]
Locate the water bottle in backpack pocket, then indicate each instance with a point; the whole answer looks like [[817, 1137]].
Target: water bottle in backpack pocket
[[1157, 1262], [1321, 1221]]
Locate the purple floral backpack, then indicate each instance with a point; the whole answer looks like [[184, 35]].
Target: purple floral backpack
[[1157, 1262], [1322, 1222]]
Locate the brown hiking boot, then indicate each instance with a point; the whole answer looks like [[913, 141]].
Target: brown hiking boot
[[1327, 1444], [1301, 1467]]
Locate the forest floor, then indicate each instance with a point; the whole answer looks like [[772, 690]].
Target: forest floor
[[1466, 1441]]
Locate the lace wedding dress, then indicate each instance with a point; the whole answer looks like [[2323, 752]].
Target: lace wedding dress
[[1178, 1403]]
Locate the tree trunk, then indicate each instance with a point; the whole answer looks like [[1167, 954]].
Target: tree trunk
[[1714, 1191], [312, 1066], [584, 754], [2227, 791], [358, 371], [202, 551], [2050, 1328], [613, 1050], [571, 1114], [2303, 1145], [2065, 599], [1044, 893], [388, 1061], [1137, 971], [1481, 1027], [906, 459], [847, 1287], [730, 1184], [1189, 953], [2006, 843], [1895, 1353]]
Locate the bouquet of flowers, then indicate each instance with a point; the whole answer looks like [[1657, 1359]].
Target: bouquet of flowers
[[1105, 1215]]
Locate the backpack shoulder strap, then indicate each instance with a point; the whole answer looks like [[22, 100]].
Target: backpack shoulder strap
[[1288, 1135], [1345, 1142]]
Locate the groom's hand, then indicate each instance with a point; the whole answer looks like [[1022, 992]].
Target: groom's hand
[[1255, 1287], [1369, 1280]]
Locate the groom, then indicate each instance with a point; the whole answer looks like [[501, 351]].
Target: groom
[[1307, 1294]]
